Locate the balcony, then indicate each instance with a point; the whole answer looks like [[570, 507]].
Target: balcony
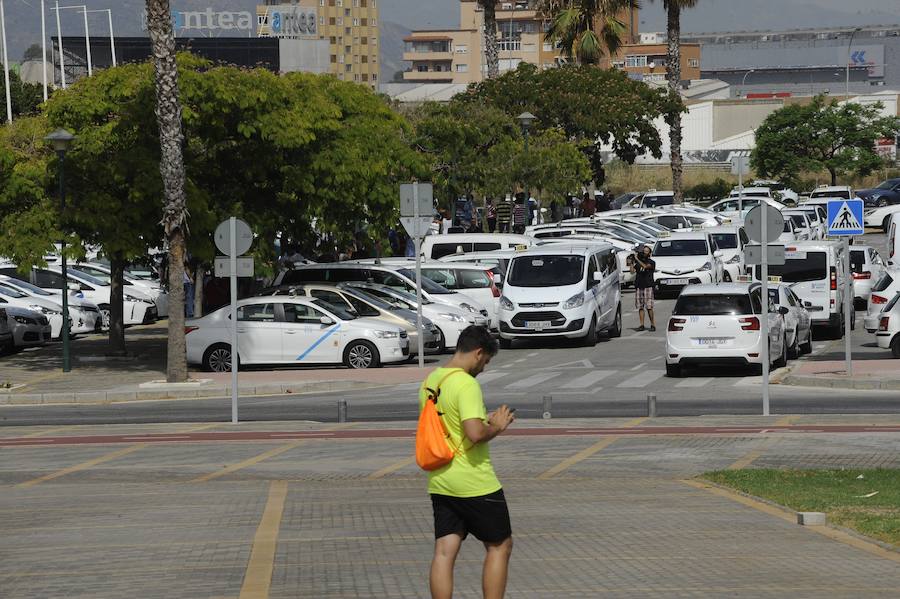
[[427, 56], [428, 76]]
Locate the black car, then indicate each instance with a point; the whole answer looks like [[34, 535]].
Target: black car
[[884, 195]]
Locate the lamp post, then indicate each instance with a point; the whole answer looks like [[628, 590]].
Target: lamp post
[[61, 140], [744, 80], [526, 119], [849, 58], [5, 63]]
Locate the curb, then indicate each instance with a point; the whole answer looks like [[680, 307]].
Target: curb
[[104, 397], [841, 383]]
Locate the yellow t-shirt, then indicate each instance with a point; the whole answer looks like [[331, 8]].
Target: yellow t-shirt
[[470, 474]]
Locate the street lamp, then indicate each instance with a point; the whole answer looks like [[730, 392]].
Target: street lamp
[[61, 140], [744, 80], [849, 58], [526, 119]]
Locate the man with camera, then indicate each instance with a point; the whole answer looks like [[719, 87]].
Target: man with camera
[[643, 268]]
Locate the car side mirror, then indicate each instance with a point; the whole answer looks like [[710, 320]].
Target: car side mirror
[[498, 279], [783, 311], [74, 286], [326, 321], [598, 276], [807, 304], [718, 253]]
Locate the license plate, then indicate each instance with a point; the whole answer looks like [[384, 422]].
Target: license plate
[[538, 325], [675, 281], [712, 342]]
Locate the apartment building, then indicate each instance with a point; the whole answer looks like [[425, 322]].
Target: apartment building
[[349, 26], [457, 55]]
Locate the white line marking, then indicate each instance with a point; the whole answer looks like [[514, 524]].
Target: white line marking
[[487, 377], [533, 354], [749, 381], [656, 358], [173, 438], [695, 382], [639, 366], [588, 380], [642, 380], [533, 380]]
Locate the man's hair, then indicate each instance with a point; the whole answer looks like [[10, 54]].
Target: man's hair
[[475, 337]]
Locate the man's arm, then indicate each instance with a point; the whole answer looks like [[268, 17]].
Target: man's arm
[[479, 432]]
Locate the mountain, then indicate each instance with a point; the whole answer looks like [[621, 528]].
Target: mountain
[[392, 47]]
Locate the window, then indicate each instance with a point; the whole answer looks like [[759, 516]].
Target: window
[[681, 247], [592, 268], [256, 313], [486, 247], [443, 277], [795, 270], [713, 305], [635, 61], [331, 297], [473, 279], [48, 279], [302, 314], [546, 271], [694, 63], [362, 308], [462, 49], [671, 222], [462, 68]]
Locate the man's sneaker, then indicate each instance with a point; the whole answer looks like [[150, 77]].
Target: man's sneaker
[[652, 329], [641, 328]]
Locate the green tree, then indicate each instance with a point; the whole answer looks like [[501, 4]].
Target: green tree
[[821, 135], [586, 30], [25, 97], [592, 107]]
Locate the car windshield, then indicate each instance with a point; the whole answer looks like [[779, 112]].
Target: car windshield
[[88, 278], [428, 286], [99, 274], [799, 221], [787, 227], [622, 233], [892, 303], [546, 271], [713, 305], [725, 241], [10, 292], [681, 247], [336, 310], [888, 184], [831, 194], [31, 288], [857, 260], [371, 299], [810, 268]]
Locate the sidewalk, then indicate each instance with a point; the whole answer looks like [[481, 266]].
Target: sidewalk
[[35, 376], [868, 375]]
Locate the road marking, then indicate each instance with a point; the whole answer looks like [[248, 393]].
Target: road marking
[[258, 576], [748, 381], [588, 451], [276, 451], [82, 466], [639, 366], [790, 516], [533, 354], [588, 380], [157, 438], [490, 376], [642, 380], [392, 468], [50, 431], [751, 456], [533, 380], [656, 358], [695, 382], [577, 364]]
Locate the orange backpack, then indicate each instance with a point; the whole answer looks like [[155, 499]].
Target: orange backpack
[[433, 449]]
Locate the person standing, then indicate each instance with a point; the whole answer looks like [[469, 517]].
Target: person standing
[[602, 201], [588, 206], [504, 215], [466, 496], [491, 216], [519, 216], [644, 268]]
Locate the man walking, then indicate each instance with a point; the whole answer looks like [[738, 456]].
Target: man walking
[[644, 267], [466, 495], [504, 215]]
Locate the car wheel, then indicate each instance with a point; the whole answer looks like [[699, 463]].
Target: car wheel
[[616, 330], [806, 347], [673, 371], [442, 341], [885, 224], [882, 202], [104, 316], [794, 350], [361, 354], [590, 338], [218, 358], [895, 346], [505, 343], [853, 319], [781, 362]]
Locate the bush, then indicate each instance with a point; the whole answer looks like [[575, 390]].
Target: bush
[[709, 192]]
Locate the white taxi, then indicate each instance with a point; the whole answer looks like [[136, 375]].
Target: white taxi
[[291, 330], [730, 240], [686, 258], [797, 322], [885, 288], [721, 324], [888, 335]]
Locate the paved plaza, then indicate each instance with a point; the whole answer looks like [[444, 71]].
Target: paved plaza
[[168, 511]]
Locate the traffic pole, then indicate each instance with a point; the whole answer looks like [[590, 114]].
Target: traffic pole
[[848, 305], [764, 324], [232, 224], [418, 243]]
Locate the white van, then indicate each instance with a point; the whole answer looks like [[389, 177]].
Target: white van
[[562, 290], [438, 246], [813, 270]]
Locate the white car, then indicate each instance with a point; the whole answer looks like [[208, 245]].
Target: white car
[[888, 335], [51, 309], [788, 233], [730, 240], [292, 330], [803, 227], [886, 287], [686, 258], [797, 323], [686, 219], [867, 266], [29, 328], [473, 280], [84, 316], [153, 289], [721, 324], [832, 192], [449, 321], [818, 216], [880, 217], [737, 207]]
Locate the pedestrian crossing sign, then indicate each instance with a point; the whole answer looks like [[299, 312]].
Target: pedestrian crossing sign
[[845, 217]]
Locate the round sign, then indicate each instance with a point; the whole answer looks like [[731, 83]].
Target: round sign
[[243, 238], [753, 223]]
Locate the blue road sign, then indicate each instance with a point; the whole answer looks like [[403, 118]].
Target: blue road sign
[[845, 217]]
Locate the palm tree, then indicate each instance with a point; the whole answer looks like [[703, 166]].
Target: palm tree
[[171, 167], [491, 46], [586, 30], [673, 75]]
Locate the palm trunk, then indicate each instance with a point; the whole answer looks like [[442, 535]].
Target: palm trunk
[[198, 290], [116, 305], [491, 46], [673, 72], [171, 167]]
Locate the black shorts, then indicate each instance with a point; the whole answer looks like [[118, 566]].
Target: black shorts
[[486, 517]]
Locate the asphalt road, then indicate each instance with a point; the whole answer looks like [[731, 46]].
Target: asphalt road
[[611, 379]]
